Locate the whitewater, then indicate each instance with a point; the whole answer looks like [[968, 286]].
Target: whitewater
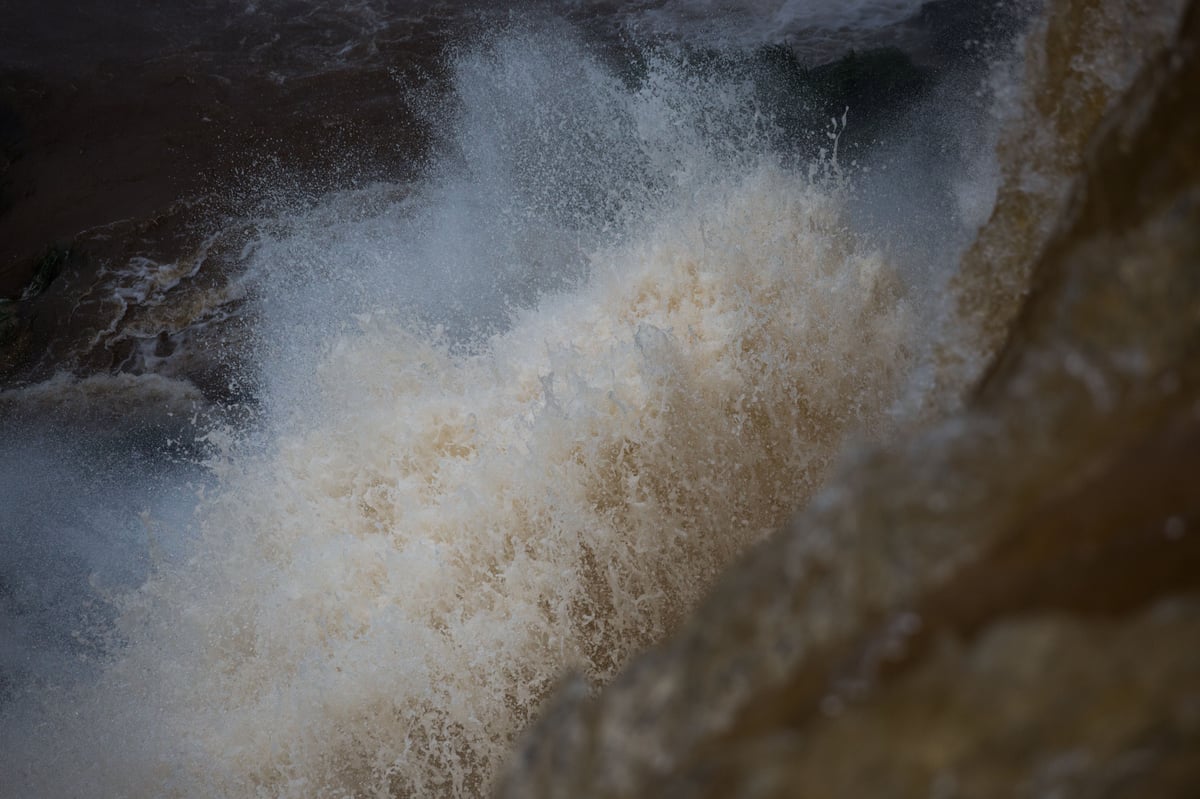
[[513, 419]]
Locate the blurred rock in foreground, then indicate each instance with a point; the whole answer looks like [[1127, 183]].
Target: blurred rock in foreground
[[998, 606]]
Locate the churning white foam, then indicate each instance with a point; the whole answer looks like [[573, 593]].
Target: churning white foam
[[449, 516]]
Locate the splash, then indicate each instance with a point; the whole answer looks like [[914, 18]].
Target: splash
[[385, 600], [446, 516]]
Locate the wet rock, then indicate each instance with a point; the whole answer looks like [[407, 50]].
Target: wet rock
[[970, 613], [1078, 60], [1034, 706]]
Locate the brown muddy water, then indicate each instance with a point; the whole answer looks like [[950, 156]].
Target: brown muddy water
[[646, 399]]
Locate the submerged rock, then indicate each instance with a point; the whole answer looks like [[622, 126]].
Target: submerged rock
[[967, 613]]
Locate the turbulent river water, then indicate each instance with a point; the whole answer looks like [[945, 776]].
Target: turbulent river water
[[366, 469]]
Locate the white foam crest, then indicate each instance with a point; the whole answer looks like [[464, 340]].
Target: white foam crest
[[380, 603], [103, 398]]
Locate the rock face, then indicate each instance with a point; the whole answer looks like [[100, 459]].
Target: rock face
[[999, 605], [1079, 57]]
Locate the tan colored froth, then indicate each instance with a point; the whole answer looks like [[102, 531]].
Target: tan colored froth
[[380, 605]]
